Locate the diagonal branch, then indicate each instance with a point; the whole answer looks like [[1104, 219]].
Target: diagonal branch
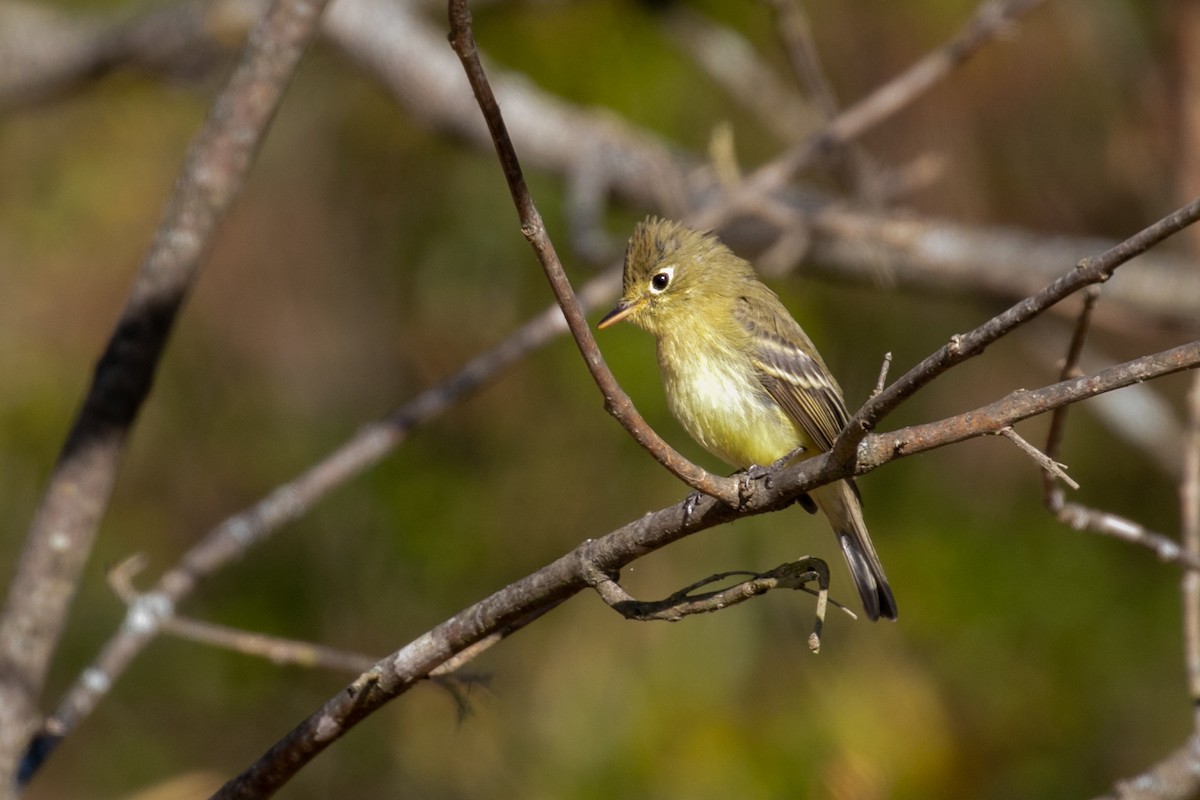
[[400, 49], [514, 606], [616, 401], [991, 19], [962, 347], [407, 56], [1077, 515], [63, 529], [235, 536]]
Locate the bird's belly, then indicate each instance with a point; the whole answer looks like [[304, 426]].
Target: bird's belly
[[729, 414]]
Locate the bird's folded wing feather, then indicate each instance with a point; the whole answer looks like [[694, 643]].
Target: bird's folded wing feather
[[795, 378]]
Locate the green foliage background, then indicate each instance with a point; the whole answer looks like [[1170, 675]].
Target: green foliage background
[[370, 256]]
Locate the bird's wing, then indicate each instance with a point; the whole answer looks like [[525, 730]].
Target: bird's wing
[[795, 377]]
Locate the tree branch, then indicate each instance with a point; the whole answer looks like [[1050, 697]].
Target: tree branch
[[616, 401], [794, 575], [1189, 507], [62, 531], [1077, 515], [966, 346], [234, 537], [508, 609], [409, 58], [991, 18]]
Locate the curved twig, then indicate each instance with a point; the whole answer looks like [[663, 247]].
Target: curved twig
[[616, 401]]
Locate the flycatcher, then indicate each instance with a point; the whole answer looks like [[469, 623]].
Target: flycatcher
[[741, 375]]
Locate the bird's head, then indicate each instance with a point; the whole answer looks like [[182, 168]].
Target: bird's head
[[673, 273]]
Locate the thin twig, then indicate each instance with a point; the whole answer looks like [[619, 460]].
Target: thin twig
[[274, 648], [990, 20], [63, 529], [1049, 466], [962, 347], [1189, 491], [849, 158], [884, 368], [234, 537], [616, 401], [685, 602], [1070, 369]]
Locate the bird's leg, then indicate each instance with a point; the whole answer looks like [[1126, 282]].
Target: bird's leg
[[756, 472]]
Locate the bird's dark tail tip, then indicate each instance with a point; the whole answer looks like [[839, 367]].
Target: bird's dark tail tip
[[877, 598]]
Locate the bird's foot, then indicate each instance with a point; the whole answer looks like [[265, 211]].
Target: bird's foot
[[690, 503]]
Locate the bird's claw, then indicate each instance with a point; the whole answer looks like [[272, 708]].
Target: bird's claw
[[690, 503], [746, 480], [756, 472]]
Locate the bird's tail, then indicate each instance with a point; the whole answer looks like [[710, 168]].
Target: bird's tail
[[840, 505]]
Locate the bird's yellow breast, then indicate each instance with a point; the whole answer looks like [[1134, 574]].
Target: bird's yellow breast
[[719, 400]]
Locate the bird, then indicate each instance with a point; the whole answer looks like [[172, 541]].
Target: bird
[[741, 375]]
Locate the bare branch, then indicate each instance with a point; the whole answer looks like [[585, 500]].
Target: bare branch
[[962, 347], [1077, 515], [616, 401], [408, 56], [511, 607], [234, 537], [734, 64], [683, 603], [991, 19], [1189, 491], [1173, 778], [272, 648], [61, 534], [1051, 467]]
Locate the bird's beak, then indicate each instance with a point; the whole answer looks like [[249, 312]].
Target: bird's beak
[[620, 311]]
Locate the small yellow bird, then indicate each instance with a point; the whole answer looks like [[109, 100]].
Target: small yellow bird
[[741, 375]]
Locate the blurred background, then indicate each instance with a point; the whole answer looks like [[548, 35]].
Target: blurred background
[[372, 253]]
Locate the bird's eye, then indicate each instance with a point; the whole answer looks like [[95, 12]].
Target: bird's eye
[[661, 280]]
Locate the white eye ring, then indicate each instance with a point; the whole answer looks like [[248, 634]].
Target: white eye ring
[[661, 280]]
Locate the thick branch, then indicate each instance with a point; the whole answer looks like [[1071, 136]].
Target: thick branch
[[62, 531], [550, 586], [233, 538], [408, 56]]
